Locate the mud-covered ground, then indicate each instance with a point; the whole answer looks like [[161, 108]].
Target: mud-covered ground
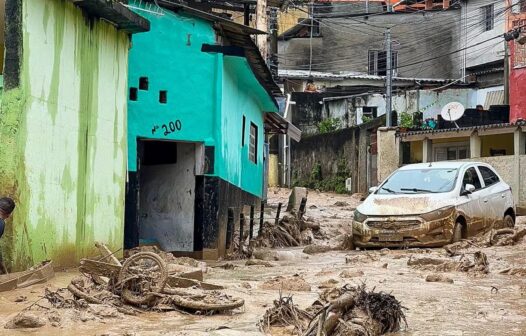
[[474, 304]]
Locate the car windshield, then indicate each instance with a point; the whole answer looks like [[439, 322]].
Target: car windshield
[[418, 181]]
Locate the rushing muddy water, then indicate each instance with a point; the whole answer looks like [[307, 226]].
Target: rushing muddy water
[[494, 304]]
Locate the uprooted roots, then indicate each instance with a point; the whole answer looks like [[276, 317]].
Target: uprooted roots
[[289, 232], [355, 312], [285, 313], [358, 312]]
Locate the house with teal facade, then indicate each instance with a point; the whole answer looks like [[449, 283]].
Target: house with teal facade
[[201, 100]]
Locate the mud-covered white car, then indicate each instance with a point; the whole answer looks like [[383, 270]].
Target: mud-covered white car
[[433, 204]]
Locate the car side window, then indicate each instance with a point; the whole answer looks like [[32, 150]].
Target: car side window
[[471, 177], [488, 176]]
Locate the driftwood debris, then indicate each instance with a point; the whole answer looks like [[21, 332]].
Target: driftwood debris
[[353, 312], [285, 313], [358, 312]]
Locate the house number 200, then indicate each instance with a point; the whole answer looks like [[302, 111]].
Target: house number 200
[[168, 128]]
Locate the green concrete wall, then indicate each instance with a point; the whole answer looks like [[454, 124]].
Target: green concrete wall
[[63, 136], [207, 93]]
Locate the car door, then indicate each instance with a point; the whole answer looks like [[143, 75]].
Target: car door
[[472, 203], [495, 196]]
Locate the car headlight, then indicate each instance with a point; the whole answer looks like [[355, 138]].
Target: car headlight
[[359, 217], [438, 214]]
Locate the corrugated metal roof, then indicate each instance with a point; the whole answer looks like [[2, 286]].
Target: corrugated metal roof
[[305, 74], [460, 129]]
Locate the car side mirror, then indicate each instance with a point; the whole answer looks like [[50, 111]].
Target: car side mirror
[[372, 190], [468, 189]]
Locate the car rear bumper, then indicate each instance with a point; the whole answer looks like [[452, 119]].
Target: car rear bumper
[[397, 233]]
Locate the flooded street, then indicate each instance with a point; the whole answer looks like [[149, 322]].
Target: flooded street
[[474, 304]]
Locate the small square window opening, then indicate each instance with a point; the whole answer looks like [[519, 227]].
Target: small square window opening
[[143, 83], [163, 96], [133, 94]]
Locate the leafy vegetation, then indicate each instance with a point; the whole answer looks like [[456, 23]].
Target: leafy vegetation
[[406, 120], [366, 119], [328, 125], [334, 183]]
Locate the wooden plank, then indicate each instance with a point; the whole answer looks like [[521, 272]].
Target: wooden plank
[[107, 255], [99, 268]]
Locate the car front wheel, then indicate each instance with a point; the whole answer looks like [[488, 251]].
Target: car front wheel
[[457, 233], [509, 222]]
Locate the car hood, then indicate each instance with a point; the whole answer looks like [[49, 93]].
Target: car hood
[[403, 205]]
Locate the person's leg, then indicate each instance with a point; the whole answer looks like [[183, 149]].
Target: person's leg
[[3, 269]]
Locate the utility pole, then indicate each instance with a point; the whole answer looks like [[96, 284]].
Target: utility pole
[[506, 73], [273, 52], [388, 78]]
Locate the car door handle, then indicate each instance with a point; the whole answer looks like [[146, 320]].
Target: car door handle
[[485, 201], [502, 196]]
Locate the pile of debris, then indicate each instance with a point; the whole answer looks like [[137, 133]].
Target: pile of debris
[[477, 265], [287, 232], [147, 280], [354, 312], [144, 281], [494, 237]]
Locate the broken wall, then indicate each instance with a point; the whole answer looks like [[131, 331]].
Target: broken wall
[[63, 132]]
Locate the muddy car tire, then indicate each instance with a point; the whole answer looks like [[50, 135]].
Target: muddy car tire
[[509, 221], [457, 233]]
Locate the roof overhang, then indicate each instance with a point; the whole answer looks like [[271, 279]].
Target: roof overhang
[[276, 124], [482, 130], [116, 13]]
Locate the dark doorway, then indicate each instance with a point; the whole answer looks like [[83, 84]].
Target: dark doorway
[[165, 196]]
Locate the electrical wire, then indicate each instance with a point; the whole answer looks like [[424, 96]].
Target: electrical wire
[[406, 46]]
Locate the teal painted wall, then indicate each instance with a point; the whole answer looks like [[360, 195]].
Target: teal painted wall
[[208, 93], [240, 97], [63, 137], [170, 56]]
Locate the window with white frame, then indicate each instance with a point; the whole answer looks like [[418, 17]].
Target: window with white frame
[[451, 151], [488, 17], [253, 145]]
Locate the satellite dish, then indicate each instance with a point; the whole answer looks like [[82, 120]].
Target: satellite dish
[[452, 111]]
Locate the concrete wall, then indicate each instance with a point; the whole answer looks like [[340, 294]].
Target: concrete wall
[[473, 33], [336, 153], [388, 152], [345, 43], [167, 202], [63, 136]]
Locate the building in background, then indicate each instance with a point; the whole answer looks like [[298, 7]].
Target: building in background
[[517, 61], [63, 127]]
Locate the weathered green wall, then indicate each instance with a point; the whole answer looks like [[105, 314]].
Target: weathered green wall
[[63, 136], [208, 93]]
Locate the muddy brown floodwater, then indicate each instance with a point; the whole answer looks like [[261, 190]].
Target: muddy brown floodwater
[[473, 304]]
